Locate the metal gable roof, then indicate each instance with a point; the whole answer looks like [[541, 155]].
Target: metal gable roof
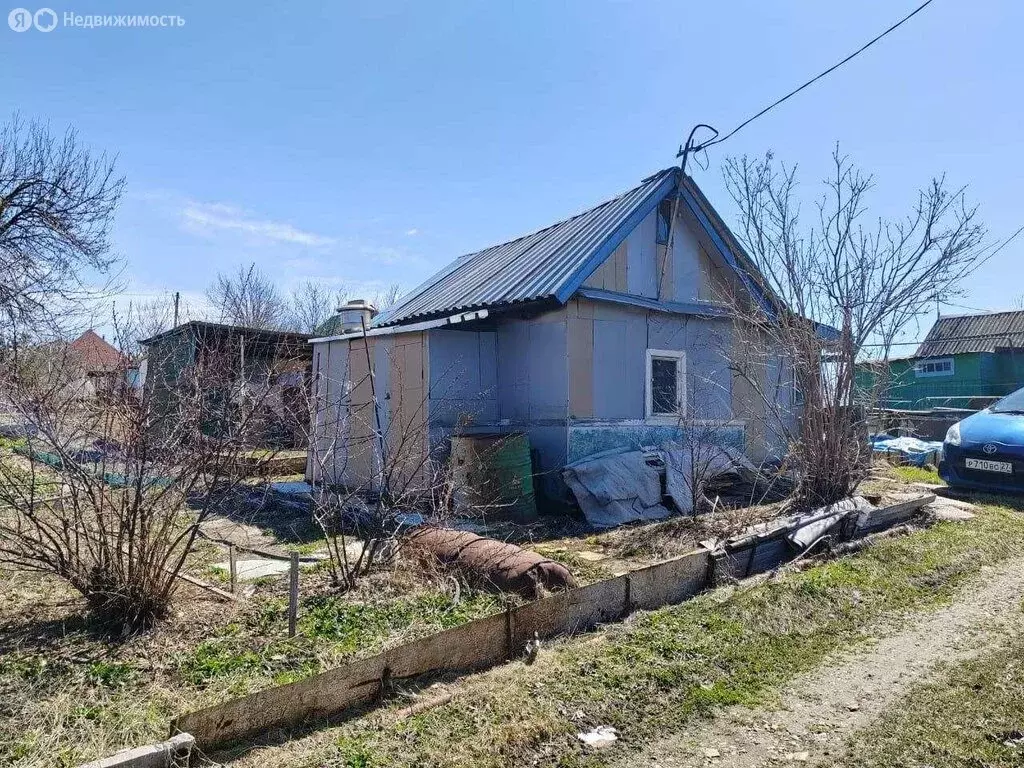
[[546, 264], [959, 334]]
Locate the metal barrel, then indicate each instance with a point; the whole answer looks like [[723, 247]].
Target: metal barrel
[[493, 475]]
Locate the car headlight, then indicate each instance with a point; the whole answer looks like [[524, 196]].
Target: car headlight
[[953, 434]]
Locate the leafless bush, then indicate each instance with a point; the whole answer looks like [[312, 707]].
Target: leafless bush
[[822, 293], [109, 494]]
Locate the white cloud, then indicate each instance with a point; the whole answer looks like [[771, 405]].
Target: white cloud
[[207, 218], [412, 232]]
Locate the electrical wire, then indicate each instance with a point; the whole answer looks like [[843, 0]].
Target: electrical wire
[[1005, 243], [690, 148]]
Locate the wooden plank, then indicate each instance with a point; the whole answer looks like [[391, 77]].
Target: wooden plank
[[581, 367], [895, 514], [476, 645], [670, 582], [621, 269], [319, 697], [174, 751], [569, 612]]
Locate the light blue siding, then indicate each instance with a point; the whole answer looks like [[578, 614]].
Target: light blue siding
[[463, 375], [642, 258], [686, 261]]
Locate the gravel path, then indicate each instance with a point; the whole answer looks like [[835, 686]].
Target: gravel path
[[820, 710]]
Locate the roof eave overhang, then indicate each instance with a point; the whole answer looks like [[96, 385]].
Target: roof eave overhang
[[614, 240]]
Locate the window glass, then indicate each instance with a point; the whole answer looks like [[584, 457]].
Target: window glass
[[664, 385], [1013, 403], [943, 367]]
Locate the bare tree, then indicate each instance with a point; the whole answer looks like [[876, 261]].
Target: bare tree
[[143, 320], [248, 298], [384, 298], [815, 296], [109, 494], [311, 304], [57, 202]]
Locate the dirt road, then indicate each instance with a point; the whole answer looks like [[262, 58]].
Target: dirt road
[[821, 710]]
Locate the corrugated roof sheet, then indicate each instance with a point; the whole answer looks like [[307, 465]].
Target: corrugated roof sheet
[[958, 334], [533, 267]]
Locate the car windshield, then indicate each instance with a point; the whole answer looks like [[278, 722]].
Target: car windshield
[[1012, 403]]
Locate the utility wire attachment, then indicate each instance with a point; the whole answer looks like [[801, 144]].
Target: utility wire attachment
[[690, 148]]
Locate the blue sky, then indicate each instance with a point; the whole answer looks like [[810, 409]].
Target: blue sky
[[367, 143]]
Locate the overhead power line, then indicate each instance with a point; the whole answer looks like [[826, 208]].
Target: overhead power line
[[690, 147]]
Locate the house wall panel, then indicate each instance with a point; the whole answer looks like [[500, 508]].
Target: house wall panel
[[581, 367], [464, 375], [328, 454], [642, 258]]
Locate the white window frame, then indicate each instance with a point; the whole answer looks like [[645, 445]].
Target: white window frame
[[921, 374], [666, 354]]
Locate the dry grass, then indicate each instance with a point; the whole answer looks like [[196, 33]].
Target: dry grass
[[657, 672], [69, 693]]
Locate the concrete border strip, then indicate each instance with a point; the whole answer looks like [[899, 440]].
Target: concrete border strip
[[493, 640], [167, 754]]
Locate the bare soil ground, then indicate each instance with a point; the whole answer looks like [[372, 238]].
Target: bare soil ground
[[820, 713]]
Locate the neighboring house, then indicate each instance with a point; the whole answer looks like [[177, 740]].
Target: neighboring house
[[965, 361], [590, 335], [103, 368], [274, 364]]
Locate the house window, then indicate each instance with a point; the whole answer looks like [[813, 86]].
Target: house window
[[666, 383], [797, 393], [938, 367]]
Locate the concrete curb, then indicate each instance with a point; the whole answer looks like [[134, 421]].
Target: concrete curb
[[167, 754]]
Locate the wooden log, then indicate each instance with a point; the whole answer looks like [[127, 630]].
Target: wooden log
[[207, 586], [894, 514]]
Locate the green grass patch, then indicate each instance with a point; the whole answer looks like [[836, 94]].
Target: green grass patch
[[971, 714], [912, 474], [655, 674], [350, 626], [111, 674], [331, 629]]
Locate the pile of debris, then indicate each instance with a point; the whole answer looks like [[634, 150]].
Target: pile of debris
[[653, 483], [844, 526]]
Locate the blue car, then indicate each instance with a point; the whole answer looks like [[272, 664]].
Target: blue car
[[985, 451]]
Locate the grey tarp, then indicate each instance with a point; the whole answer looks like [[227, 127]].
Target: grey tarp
[[625, 487], [617, 489]]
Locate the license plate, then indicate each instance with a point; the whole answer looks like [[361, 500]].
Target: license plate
[[990, 466]]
